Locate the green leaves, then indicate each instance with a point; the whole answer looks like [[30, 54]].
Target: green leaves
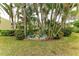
[[46, 14], [4, 8], [76, 23], [7, 8]]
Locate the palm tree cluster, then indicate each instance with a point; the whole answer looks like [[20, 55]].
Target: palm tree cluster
[[40, 18]]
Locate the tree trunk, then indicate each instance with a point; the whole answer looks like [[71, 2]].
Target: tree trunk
[[25, 23]]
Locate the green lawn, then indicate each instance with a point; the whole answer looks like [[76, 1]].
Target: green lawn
[[65, 46]]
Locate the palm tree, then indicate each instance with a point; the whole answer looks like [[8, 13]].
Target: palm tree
[[25, 19], [8, 9]]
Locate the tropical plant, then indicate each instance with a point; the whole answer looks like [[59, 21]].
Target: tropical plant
[[8, 8]]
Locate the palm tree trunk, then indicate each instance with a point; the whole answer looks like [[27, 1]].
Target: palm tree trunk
[[25, 23]]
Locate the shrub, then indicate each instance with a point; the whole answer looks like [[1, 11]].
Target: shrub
[[0, 32], [19, 34], [76, 29], [76, 23], [58, 36], [67, 31], [7, 32]]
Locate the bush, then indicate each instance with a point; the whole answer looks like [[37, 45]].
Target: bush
[[76, 29], [19, 34], [59, 35], [0, 32], [76, 23], [56, 37], [67, 31], [7, 32]]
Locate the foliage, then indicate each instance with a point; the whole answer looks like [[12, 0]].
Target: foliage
[[67, 31], [59, 35], [19, 34], [76, 26], [8, 8], [33, 19], [7, 32], [76, 29], [76, 23]]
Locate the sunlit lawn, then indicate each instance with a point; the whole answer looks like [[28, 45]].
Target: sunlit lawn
[[64, 46], [5, 24]]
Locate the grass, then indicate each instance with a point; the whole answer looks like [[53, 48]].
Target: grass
[[5, 24], [9, 46]]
